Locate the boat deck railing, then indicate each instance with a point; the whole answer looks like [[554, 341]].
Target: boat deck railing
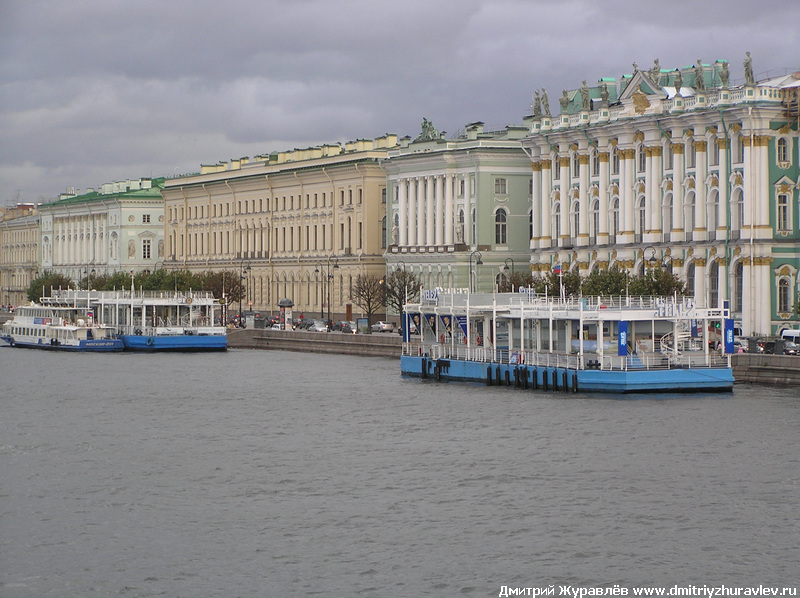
[[571, 361]]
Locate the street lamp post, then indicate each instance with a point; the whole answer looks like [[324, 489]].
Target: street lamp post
[[473, 283], [327, 281], [651, 261], [505, 269], [242, 286]]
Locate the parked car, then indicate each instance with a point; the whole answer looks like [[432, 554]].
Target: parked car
[[790, 348], [383, 327], [318, 326]]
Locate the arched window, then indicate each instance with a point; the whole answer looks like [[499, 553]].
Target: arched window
[[713, 214], [594, 221], [688, 215], [500, 227], [666, 216], [614, 161], [784, 296], [713, 285], [595, 164], [575, 221], [737, 213], [641, 217], [641, 159], [614, 218], [555, 224], [690, 279]]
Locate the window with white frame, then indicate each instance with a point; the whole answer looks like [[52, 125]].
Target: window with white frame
[[784, 295], [500, 186], [555, 223], [576, 165], [783, 150], [783, 217], [146, 249], [474, 227], [691, 155], [713, 152], [575, 220], [146, 218], [614, 217], [615, 161], [556, 168], [594, 221], [739, 155], [641, 159], [713, 285], [641, 216], [669, 157], [530, 224], [595, 163], [738, 286]]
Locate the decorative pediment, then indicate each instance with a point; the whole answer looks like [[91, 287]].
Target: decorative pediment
[[641, 83], [784, 185]]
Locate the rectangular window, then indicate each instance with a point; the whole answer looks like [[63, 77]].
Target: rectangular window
[[691, 155], [500, 186], [146, 249], [146, 218], [783, 213]]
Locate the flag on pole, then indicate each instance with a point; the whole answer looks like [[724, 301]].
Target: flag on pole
[[557, 269]]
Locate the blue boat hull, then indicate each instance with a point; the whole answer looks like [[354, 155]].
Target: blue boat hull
[[85, 346], [186, 342], [550, 378]]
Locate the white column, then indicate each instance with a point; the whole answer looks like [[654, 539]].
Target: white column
[[678, 220], [536, 204], [438, 210], [412, 212], [421, 211], [546, 239], [429, 218], [724, 206], [582, 235], [605, 183], [449, 221], [402, 217], [627, 176], [563, 199], [701, 197]]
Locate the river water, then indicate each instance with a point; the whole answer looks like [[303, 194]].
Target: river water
[[268, 473]]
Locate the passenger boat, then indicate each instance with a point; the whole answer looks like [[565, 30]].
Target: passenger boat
[[59, 328], [588, 344], [158, 320], [164, 320]]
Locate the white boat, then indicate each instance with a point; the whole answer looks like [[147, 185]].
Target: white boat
[[59, 328], [158, 320]]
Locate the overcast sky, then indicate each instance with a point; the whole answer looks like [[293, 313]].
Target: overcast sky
[[96, 91]]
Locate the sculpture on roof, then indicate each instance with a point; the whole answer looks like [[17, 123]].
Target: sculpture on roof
[[604, 95], [563, 101], [724, 74], [545, 102], [749, 79], [699, 76], [678, 81], [537, 105], [428, 132], [586, 103], [655, 72]]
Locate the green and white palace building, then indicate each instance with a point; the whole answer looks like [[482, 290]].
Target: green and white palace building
[[679, 169]]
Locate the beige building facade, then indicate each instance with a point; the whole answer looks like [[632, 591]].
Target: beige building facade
[[299, 225], [19, 253]]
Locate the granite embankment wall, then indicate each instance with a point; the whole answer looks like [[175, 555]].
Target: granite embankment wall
[[782, 370], [376, 345]]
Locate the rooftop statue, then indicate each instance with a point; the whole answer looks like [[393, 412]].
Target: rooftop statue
[[429, 132], [563, 101], [537, 105], [586, 103], [699, 76], [678, 82], [724, 74], [545, 102], [655, 72], [604, 95], [749, 79]]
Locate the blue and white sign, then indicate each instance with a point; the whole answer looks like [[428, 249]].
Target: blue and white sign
[[622, 344], [728, 335]]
